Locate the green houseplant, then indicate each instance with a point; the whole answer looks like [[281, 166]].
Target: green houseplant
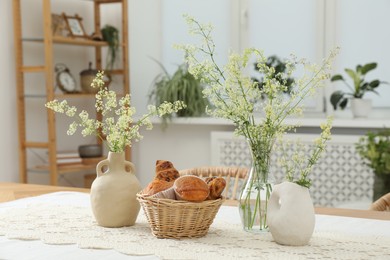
[[180, 86], [374, 147], [110, 34], [356, 91]]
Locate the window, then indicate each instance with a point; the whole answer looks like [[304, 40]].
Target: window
[[306, 28], [175, 29], [362, 33]]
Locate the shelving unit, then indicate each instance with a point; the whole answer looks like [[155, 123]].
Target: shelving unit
[[48, 40]]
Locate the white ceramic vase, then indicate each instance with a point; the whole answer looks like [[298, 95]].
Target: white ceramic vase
[[361, 107], [290, 213], [113, 192]]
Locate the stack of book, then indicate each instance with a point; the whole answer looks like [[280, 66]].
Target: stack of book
[[66, 158]]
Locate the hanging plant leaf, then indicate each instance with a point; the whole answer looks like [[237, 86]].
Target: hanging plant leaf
[[110, 34]]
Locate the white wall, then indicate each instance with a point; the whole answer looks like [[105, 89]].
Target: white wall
[[185, 145], [9, 138], [145, 41]]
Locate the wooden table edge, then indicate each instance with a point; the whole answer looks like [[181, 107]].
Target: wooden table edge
[[12, 191], [354, 213]]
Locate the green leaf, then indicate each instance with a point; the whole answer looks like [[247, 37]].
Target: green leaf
[[369, 66], [374, 83], [343, 103], [335, 98], [337, 77], [355, 77], [359, 68], [364, 87]]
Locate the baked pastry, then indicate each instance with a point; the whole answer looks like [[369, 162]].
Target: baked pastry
[[216, 186], [165, 171], [191, 188], [156, 186], [166, 174]]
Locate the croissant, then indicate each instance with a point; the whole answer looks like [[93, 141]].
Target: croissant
[[216, 186], [156, 186], [165, 171], [166, 175]]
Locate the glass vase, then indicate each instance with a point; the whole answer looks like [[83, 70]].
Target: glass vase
[[257, 190]]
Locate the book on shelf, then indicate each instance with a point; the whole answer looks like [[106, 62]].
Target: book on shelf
[[67, 154], [68, 158], [63, 161]]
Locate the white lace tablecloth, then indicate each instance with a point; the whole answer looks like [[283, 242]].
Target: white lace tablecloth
[[61, 226]]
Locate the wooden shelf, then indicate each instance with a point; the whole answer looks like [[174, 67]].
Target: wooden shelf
[[78, 95], [48, 40], [70, 41], [66, 168], [108, 1], [74, 95], [78, 41], [64, 96]]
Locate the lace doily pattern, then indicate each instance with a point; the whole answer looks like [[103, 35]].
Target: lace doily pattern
[[57, 224]]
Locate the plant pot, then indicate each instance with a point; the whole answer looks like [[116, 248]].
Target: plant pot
[[113, 192], [90, 151], [290, 213], [361, 107]]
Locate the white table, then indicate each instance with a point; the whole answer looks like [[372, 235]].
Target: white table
[[17, 249]]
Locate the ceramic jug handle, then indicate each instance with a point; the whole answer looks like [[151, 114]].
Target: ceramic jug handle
[[131, 165], [99, 167]]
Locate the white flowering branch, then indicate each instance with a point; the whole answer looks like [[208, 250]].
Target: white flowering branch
[[117, 127], [236, 97], [298, 163]]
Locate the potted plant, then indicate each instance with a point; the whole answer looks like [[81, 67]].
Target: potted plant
[[180, 86], [110, 34], [360, 107], [375, 148]]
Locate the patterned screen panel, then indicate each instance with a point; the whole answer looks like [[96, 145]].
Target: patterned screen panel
[[340, 177]]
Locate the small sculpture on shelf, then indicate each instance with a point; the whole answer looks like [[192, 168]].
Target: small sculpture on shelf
[[58, 25], [86, 78]]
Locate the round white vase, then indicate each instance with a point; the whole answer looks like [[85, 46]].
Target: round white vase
[[361, 107], [291, 217], [113, 192]]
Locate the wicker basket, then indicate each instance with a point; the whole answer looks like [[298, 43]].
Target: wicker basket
[[179, 219]]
